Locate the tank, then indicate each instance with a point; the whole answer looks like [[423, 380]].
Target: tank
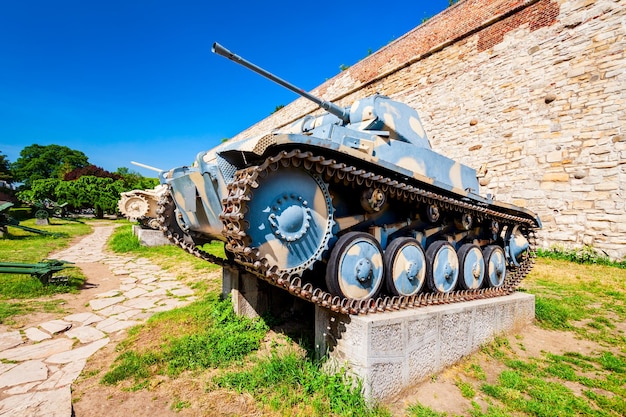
[[350, 209], [141, 205]]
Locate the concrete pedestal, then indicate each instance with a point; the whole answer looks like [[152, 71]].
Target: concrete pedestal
[[253, 297], [42, 222], [391, 351], [150, 237]]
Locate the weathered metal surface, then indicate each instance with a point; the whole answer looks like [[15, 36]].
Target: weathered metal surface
[[43, 271], [358, 197], [141, 205], [6, 220]]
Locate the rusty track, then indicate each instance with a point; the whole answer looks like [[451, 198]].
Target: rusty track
[[235, 208]]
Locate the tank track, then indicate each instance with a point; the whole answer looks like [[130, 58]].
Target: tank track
[[245, 182], [171, 230]]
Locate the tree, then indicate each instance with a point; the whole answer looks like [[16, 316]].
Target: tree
[[40, 190], [51, 161], [135, 181], [5, 169], [88, 191], [92, 170]]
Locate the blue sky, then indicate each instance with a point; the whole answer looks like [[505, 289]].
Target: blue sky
[[136, 80]]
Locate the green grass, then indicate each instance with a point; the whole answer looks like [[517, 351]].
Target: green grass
[[205, 334], [584, 255], [292, 384], [467, 390], [537, 387], [178, 405], [123, 241], [418, 410], [24, 247], [586, 298]]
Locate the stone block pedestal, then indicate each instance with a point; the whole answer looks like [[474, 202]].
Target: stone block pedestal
[[150, 237], [391, 351]]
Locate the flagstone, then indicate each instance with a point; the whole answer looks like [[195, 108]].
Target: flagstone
[[101, 303], [127, 314], [55, 326], [37, 351], [84, 318], [79, 353], [10, 339], [65, 375], [111, 293], [168, 285], [182, 292], [21, 389], [136, 292], [141, 302], [36, 335], [168, 277], [55, 403], [115, 325], [85, 334], [115, 309], [23, 373], [6, 366]]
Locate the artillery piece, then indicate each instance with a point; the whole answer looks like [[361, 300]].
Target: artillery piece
[[47, 208], [6, 220], [351, 210]]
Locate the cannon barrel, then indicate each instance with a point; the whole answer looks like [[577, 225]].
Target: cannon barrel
[[139, 164], [332, 108]]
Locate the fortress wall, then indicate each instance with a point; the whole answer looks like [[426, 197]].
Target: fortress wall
[[534, 89]]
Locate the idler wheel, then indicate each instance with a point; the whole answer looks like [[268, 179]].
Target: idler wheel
[[495, 266], [133, 207], [405, 266], [355, 267], [471, 267], [442, 264]]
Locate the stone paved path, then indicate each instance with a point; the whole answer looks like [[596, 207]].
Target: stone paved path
[[39, 362]]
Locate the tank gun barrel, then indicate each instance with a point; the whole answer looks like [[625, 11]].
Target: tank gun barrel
[[332, 108], [139, 164]]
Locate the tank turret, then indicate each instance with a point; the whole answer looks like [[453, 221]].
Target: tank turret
[[352, 210]]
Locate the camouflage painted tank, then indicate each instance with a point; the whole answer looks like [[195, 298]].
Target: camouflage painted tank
[[141, 205], [351, 210]]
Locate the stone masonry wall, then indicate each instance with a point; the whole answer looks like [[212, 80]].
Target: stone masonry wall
[[534, 89]]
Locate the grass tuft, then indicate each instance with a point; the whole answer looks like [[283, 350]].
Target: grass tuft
[[585, 255], [293, 384], [204, 334]]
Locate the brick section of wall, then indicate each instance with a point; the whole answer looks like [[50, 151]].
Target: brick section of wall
[[544, 14], [534, 89]]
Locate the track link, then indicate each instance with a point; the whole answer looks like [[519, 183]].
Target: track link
[[168, 225], [237, 241]]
